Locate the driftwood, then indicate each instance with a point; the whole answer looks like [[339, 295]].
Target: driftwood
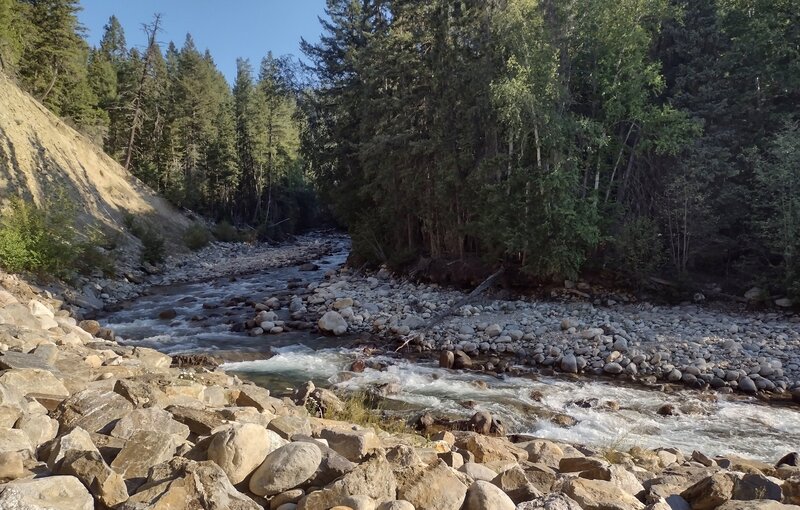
[[480, 289]]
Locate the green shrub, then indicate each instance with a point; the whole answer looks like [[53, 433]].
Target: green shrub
[[152, 245], [639, 249], [196, 237], [227, 233], [42, 240]]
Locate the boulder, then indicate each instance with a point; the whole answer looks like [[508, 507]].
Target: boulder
[[490, 449], [484, 496], [286, 468], [446, 359], [554, 501], [48, 493], [569, 364], [142, 451], [39, 428], [396, 505], [11, 465], [755, 486], [152, 419], [600, 495], [332, 323], [515, 483], [461, 360], [288, 426], [710, 492], [14, 440], [354, 445], [92, 410], [239, 450], [77, 440], [199, 421], [373, 478], [578, 464], [477, 471], [433, 487], [763, 504], [618, 475], [106, 485], [544, 452], [182, 484], [255, 396], [35, 383]]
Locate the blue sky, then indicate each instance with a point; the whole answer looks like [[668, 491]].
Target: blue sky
[[229, 29]]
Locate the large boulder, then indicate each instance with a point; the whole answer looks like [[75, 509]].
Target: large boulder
[[77, 440], [434, 487], [600, 495], [49, 493], [239, 450], [92, 410], [332, 323], [150, 419], [490, 449], [354, 445], [35, 383], [286, 468], [553, 501], [142, 451], [182, 484], [486, 496], [373, 478], [14, 440], [710, 492], [107, 486]]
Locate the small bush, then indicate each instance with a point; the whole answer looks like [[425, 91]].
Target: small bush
[[357, 410], [196, 237], [152, 246], [226, 233], [639, 249], [39, 239], [152, 241]]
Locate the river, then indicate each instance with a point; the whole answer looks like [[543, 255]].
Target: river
[[713, 424]]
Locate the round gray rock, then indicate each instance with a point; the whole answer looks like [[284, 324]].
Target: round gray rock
[[286, 468]]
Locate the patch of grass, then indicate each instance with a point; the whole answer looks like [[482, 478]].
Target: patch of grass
[[357, 409], [196, 237]]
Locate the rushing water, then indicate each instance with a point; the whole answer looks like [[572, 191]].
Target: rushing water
[[716, 426]]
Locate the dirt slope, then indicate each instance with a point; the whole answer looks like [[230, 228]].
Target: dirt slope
[[40, 154]]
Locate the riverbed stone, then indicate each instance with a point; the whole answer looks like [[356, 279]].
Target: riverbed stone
[[47, 493], [354, 445], [432, 487], [710, 492], [14, 440], [600, 495], [285, 468], [332, 323], [92, 410], [152, 419], [483, 495], [239, 450], [182, 484], [199, 421], [554, 501], [107, 486], [373, 478], [143, 450], [478, 471]]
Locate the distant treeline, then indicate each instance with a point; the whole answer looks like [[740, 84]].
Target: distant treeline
[[170, 117], [640, 136]]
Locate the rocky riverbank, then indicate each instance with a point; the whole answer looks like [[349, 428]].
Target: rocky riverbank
[[218, 260], [698, 346], [88, 423]]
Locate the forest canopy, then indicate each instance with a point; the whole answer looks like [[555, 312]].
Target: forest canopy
[[643, 137]]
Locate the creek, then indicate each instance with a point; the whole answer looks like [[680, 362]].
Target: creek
[[714, 424]]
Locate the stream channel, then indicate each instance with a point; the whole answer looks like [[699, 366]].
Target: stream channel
[[716, 426]]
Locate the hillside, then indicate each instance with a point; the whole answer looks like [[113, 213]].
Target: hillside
[[40, 155]]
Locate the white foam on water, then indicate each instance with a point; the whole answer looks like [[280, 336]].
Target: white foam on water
[[721, 427]]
